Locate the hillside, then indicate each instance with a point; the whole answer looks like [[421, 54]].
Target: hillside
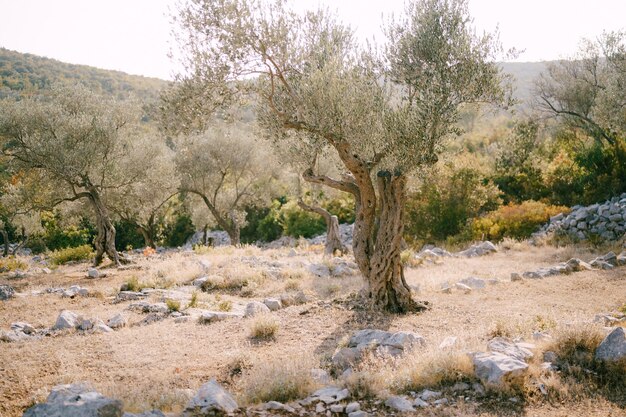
[[524, 74], [23, 73]]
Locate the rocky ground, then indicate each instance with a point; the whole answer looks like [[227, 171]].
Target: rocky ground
[[283, 331]]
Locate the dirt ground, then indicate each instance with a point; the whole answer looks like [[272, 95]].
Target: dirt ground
[[160, 364]]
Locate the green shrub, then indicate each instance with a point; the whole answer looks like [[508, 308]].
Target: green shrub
[[517, 221], [79, 253], [448, 198], [127, 235], [342, 207], [177, 233], [172, 305], [11, 263], [57, 237], [300, 223]]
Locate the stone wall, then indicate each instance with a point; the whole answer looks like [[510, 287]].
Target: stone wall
[[605, 220]]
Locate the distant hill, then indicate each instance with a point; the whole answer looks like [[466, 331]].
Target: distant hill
[[25, 73], [525, 74]]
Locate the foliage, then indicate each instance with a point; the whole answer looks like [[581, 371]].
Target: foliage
[[297, 222], [57, 237], [172, 305], [516, 221], [127, 235], [342, 207], [11, 263], [76, 254], [177, 233], [447, 199], [517, 171]]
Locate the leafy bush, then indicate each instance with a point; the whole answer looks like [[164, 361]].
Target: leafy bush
[[127, 235], [172, 305], [79, 253], [300, 223], [342, 207], [516, 221], [57, 237], [448, 198], [176, 234], [11, 263]]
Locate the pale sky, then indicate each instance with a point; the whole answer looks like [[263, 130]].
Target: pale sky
[[134, 35]]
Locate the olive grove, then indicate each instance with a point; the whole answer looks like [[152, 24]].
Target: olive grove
[[384, 116]]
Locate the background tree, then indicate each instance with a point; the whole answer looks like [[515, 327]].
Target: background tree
[[82, 143], [586, 94], [226, 170], [145, 202], [381, 122]]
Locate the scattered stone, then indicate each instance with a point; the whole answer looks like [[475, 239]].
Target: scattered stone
[[460, 386], [492, 367], [479, 249], [85, 323], [418, 402], [76, 400], [441, 401], [328, 395], [358, 414], [14, 336], [273, 304], [205, 264], [153, 413], [129, 296], [398, 403], [275, 405], [146, 307], [466, 289], [93, 273], [515, 277], [320, 270], [255, 308], [474, 283], [427, 395], [448, 342], [613, 347], [75, 290], [66, 320], [336, 408], [6, 292], [23, 327], [117, 321], [215, 316], [541, 336], [549, 356], [509, 348], [352, 407], [199, 281], [210, 399], [321, 376]]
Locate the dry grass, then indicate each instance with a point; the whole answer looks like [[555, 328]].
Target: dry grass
[[433, 368], [279, 379], [12, 263], [153, 366], [264, 327]]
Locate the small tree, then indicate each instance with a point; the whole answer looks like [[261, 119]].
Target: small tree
[[82, 144], [587, 92], [145, 201], [225, 168], [382, 120]]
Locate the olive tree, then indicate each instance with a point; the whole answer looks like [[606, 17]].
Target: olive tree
[[226, 170], [81, 144], [587, 91], [145, 202], [383, 118]]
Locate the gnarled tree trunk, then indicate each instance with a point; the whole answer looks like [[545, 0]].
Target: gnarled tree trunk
[[105, 239], [5, 237], [333, 241], [147, 235]]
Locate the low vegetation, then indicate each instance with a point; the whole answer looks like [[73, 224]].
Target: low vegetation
[[76, 254]]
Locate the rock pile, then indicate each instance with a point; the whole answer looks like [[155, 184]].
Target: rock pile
[[380, 341], [606, 221], [6, 292], [76, 400], [608, 261]]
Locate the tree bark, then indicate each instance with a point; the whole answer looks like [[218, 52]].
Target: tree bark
[[333, 241], [387, 286], [5, 237], [105, 239], [147, 237]]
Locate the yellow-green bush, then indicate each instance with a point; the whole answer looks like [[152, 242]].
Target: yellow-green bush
[[11, 263], [79, 253], [517, 221]]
